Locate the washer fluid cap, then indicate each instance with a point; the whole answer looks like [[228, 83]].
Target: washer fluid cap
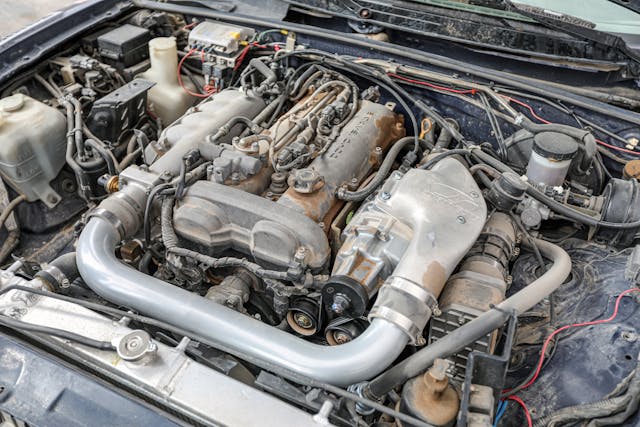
[[12, 103]]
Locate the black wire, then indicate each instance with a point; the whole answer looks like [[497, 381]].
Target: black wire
[[19, 325], [432, 161], [531, 242], [523, 383], [495, 125], [182, 180]]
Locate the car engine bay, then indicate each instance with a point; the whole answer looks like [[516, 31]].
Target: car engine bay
[[232, 222]]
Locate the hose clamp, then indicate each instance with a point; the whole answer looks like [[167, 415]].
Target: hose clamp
[[408, 287], [398, 319], [405, 304], [57, 275], [416, 291], [109, 217]]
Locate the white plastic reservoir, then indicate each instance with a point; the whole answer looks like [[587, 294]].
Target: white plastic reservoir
[[32, 146]]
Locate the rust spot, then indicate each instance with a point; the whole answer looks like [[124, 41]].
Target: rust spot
[[255, 184], [363, 268], [632, 169], [332, 214], [321, 205], [434, 277], [314, 205], [391, 129]]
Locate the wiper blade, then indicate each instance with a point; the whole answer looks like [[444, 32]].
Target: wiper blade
[[633, 5], [558, 40], [576, 27]]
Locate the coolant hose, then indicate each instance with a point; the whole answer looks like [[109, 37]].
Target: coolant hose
[[480, 326], [60, 272], [241, 335]]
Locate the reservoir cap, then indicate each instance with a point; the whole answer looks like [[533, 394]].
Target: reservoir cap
[[12, 103], [555, 146]]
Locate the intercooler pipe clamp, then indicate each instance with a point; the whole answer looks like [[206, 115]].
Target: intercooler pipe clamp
[[405, 304], [124, 210], [110, 217]]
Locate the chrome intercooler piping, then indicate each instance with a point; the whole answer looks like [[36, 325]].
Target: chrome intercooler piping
[[360, 359]]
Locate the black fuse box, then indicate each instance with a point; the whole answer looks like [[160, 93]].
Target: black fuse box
[[124, 46], [89, 43]]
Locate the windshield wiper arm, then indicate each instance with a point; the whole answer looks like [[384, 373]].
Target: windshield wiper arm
[[574, 26]]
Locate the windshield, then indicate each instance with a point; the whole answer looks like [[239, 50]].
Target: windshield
[[607, 16]]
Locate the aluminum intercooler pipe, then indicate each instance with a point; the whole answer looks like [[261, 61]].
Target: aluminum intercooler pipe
[[427, 262], [342, 365]]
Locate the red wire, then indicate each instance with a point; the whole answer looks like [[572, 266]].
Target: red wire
[[613, 147], [530, 108], [575, 325], [537, 117], [524, 408], [241, 57], [431, 85], [244, 53], [197, 95], [515, 101]]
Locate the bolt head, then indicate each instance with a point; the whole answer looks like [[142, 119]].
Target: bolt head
[[341, 337], [302, 320], [340, 304]]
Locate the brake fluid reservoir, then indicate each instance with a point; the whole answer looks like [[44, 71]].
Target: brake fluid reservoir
[[551, 158], [32, 146]]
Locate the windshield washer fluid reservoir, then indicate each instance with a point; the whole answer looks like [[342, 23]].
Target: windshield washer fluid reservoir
[[32, 147]]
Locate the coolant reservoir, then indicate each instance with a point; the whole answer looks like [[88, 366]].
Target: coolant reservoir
[[32, 146], [170, 101]]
